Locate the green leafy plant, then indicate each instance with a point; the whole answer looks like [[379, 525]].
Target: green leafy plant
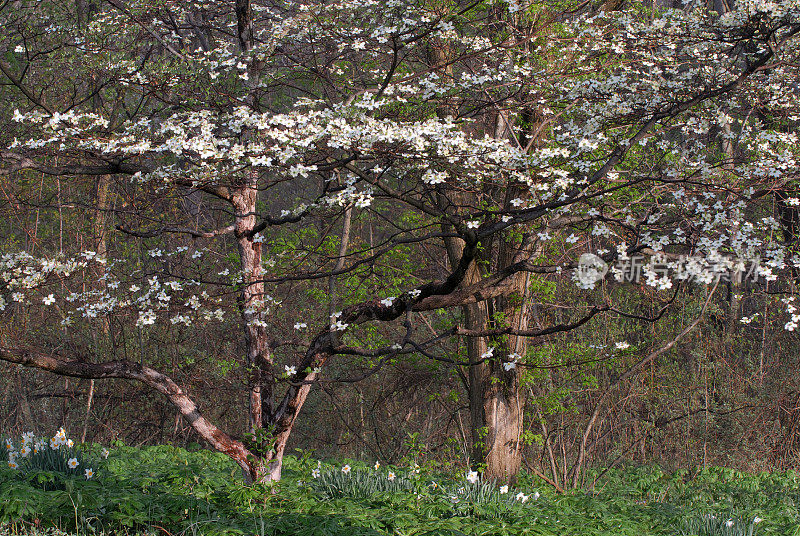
[[359, 483]]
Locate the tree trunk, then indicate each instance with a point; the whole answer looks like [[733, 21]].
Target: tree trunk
[[259, 358], [503, 417]]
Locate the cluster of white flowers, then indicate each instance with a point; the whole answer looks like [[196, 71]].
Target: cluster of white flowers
[[31, 446]]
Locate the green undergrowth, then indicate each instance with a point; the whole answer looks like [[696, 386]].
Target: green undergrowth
[[171, 491]]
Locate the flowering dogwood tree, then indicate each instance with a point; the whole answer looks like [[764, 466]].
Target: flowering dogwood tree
[[497, 140]]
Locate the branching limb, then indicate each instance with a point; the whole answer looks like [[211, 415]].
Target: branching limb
[[133, 371]]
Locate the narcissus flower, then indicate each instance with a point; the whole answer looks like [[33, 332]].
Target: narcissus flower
[[72, 463], [346, 469], [88, 473], [391, 476], [472, 476]]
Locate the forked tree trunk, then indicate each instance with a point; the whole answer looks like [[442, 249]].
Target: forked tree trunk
[[496, 403], [496, 400], [504, 400]]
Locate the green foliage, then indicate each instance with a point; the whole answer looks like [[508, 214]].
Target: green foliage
[[158, 489], [359, 483]]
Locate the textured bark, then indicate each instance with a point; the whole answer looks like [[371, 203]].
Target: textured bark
[[503, 400], [496, 401], [259, 359]]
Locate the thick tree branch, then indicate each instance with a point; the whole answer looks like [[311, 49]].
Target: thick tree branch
[[133, 371], [20, 161], [177, 230]]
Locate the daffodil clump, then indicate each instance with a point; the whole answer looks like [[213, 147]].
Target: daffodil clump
[[462, 494], [57, 454]]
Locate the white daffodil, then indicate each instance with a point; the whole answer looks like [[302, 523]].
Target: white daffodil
[[503, 490], [73, 463], [472, 477], [391, 476], [346, 469], [88, 473]]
